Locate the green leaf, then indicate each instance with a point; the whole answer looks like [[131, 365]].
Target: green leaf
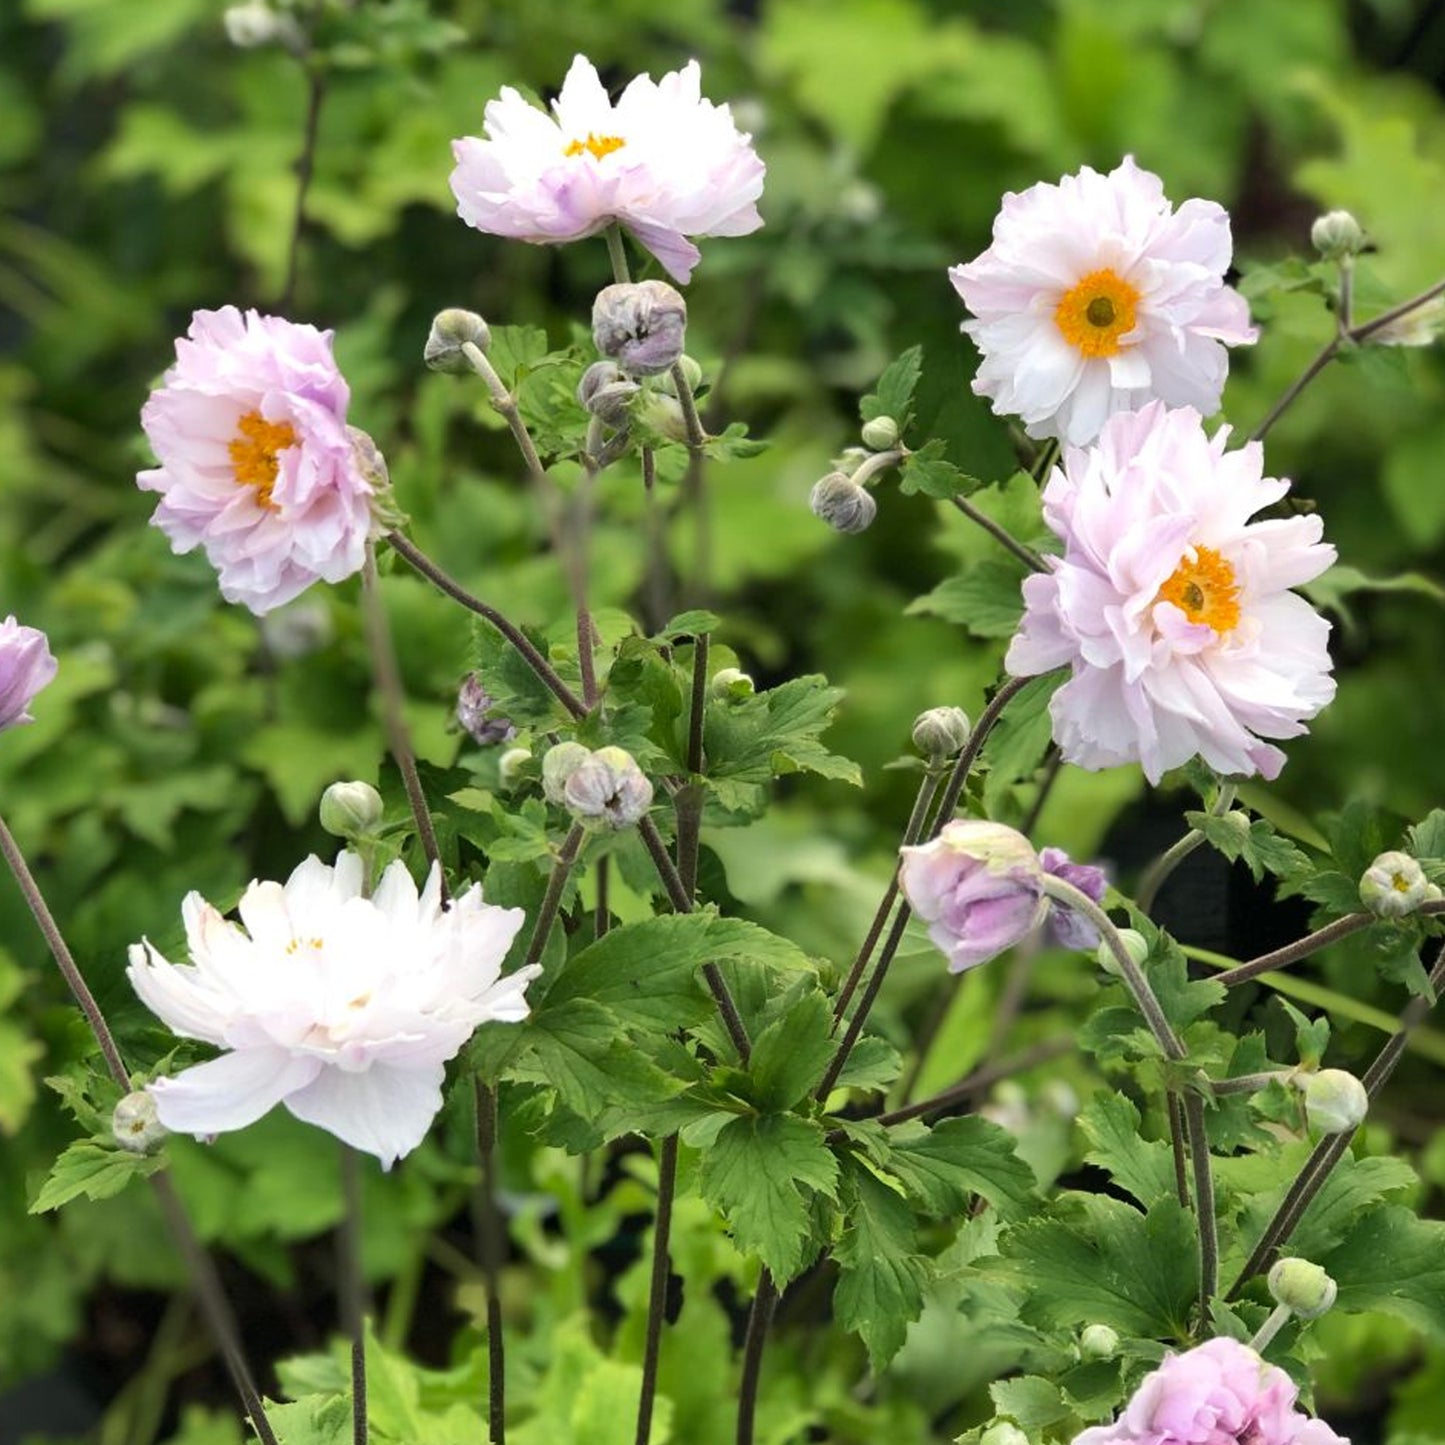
[[873, 1064], [928, 471], [1427, 837], [987, 599], [1031, 1402], [1017, 744], [894, 396], [1395, 1263], [774, 733], [312, 1420], [789, 1057], [92, 1169], [1143, 1167], [1256, 842], [945, 1166]]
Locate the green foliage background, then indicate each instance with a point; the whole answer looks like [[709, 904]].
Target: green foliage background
[[146, 168]]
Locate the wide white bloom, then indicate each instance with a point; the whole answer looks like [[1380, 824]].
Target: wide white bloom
[[341, 1007], [662, 161], [1097, 296], [1172, 608]]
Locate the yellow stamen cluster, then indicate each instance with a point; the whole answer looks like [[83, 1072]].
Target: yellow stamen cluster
[[1204, 589], [1096, 312], [254, 452], [599, 145]]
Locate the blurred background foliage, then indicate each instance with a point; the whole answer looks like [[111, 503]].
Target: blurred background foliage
[[147, 168]]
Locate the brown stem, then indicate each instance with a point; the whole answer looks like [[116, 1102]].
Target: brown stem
[[759, 1318], [489, 1248], [1001, 535], [1203, 1205], [980, 1081], [353, 1308], [305, 164], [657, 1292]]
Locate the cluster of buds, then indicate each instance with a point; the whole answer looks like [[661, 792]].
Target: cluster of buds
[[602, 790], [1395, 885]]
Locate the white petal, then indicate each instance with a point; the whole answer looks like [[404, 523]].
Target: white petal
[[230, 1092], [382, 1111]]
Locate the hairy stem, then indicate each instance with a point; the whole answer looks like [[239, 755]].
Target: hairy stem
[[980, 1081], [1001, 535], [1203, 1206], [490, 1240], [1158, 872], [759, 1318], [657, 1292], [305, 165], [617, 254], [353, 1289]]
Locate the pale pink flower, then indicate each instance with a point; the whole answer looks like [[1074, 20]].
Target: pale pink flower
[[342, 1007], [26, 666], [1170, 607], [1220, 1393], [662, 161], [257, 465], [1097, 296]]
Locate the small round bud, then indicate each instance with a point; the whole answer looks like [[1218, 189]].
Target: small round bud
[[135, 1124], [511, 764], [731, 684], [1302, 1287], [842, 503], [1098, 1342], [1004, 1432], [1337, 234], [609, 790], [641, 325], [451, 330], [474, 704], [662, 414], [606, 393], [558, 764], [691, 373], [1335, 1101], [350, 810], [254, 24], [880, 434], [1135, 945], [1394, 885], [941, 732]]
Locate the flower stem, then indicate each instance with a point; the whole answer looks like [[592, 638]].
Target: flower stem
[[617, 254], [1158, 872], [759, 1318], [980, 1081], [1278, 1319], [305, 164], [489, 1249], [689, 799], [552, 897], [657, 1293], [353, 1289], [1001, 535], [1203, 1206], [506, 406]]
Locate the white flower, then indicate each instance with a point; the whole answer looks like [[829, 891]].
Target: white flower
[[662, 161], [341, 1007], [1097, 296]]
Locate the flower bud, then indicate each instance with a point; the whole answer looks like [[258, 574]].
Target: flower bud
[[1302, 1287], [1004, 1432], [731, 684], [609, 790], [606, 393], [558, 764], [980, 888], [1135, 945], [691, 374], [1337, 234], [941, 732], [474, 702], [371, 464], [350, 810], [511, 764], [641, 325], [1098, 1342], [1069, 927], [135, 1124], [254, 24], [842, 503], [1419, 326], [451, 330], [662, 414], [880, 434], [1335, 1101], [1394, 885]]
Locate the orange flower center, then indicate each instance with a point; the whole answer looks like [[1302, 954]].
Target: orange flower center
[[1204, 590], [254, 452], [1096, 312], [599, 145]]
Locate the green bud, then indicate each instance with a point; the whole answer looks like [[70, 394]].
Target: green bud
[[941, 732], [135, 1124], [1337, 234], [880, 434], [1135, 945], [350, 810], [1004, 1432], [662, 414], [511, 765], [1098, 1342], [691, 374], [451, 330], [1335, 1101], [1302, 1287], [731, 684], [558, 764]]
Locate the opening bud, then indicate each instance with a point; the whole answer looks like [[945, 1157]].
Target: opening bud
[[609, 790], [135, 1124], [880, 434], [1004, 1432], [1335, 1101], [512, 764], [1394, 885], [474, 704], [606, 393], [842, 503], [641, 325], [350, 810], [1302, 1287], [731, 684], [941, 732], [451, 330], [1098, 1342], [558, 764], [1135, 945], [1337, 234]]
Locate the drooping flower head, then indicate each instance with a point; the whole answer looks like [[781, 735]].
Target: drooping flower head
[[1069, 927], [1097, 296], [341, 1007], [1170, 607], [1219, 1393], [662, 161], [26, 666], [257, 464]]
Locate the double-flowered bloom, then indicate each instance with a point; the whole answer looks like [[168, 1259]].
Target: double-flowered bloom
[[344, 1008], [1171, 608], [661, 161], [1096, 297]]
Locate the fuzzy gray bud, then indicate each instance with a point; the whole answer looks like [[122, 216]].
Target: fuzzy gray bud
[[451, 330], [1394, 885], [1335, 1101], [641, 325], [1302, 1287], [609, 790], [474, 703], [941, 732], [135, 1124], [350, 810], [731, 684], [1337, 234], [880, 434], [607, 393], [842, 503]]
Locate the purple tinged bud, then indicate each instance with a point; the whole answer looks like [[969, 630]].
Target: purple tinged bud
[[606, 393], [26, 666], [1069, 928], [980, 888], [474, 703], [641, 325], [609, 790]]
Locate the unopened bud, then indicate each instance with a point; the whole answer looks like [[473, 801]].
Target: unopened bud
[[606, 393], [1098, 1342], [451, 330], [135, 1125], [474, 703], [1135, 945], [1419, 326], [842, 503], [941, 732], [691, 374], [609, 790], [641, 325], [1394, 885], [252, 25], [662, 414], [1337, 234], [1004, 1432], [1302, 1287], [731, 684], [350, 810], [880, 433], [1335, 1101], [558, 764], [371, 464], [511, 765]]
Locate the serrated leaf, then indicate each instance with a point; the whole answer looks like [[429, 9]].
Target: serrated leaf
[[1031, 1402], [1427, 837], [790, 1056], [987, 600], [894, 394], [312, 1420], [945, 1166], [1395, 1263], [1143, 1167], [1256, 843], [1017, 744], [92, 1169], [774, 733], [873, 1064]]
